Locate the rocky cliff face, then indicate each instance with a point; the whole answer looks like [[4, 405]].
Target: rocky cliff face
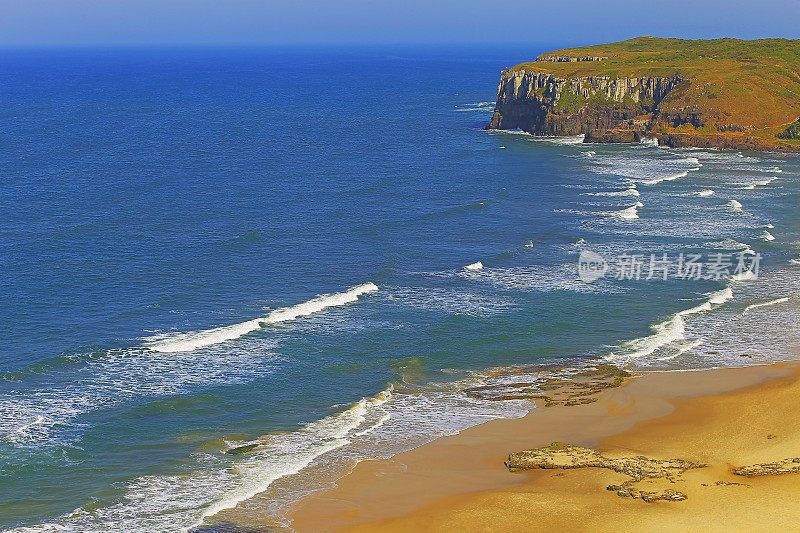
[[544, 104]]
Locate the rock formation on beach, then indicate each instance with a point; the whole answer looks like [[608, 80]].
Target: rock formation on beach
[[638, 468], [723, 93]]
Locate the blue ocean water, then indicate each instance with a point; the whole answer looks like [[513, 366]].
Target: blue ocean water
[[203, 248]]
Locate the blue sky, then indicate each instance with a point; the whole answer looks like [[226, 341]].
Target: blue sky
[[130, 22]]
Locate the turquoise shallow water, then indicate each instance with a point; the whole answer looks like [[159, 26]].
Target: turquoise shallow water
[[200, 247]]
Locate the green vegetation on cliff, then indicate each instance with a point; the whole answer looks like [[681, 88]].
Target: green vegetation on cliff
[[731, 88]]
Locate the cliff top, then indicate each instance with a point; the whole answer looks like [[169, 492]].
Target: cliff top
[[753, 84]]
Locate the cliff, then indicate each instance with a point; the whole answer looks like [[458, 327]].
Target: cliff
[[545, 104], [723, 93]]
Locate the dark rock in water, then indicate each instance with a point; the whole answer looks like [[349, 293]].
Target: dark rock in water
[[613, 136], [244, 448]]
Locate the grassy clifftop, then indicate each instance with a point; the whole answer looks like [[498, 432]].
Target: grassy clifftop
[[732, 87]]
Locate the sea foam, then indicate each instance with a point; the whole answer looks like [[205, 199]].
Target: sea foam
[[631, 191], [669, 331], [735, 205], [765, 304], [629, 213]]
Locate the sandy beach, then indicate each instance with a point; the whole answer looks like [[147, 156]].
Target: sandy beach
[[663, 449]]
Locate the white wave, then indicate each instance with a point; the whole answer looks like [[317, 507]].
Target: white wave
[[474, 267], [730, 244], [767, 236], [704, 193], [47, 415], [572, 139], [186, 342], [631, 191], [28, 430], [794, 261], [747, 275], [484, 107], [768, 170], [510, 132], [669, 331], [721, 296], [537, 278], [457, 302], [735, 205], [668, 177], [769, 226], [760, 183], [682, 349], [765, 304], [288, 455], [629, 213], [649, 141]]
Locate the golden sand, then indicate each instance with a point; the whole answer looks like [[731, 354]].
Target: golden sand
[[723, 419]]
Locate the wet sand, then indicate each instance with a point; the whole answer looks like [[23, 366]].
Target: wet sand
[[724, 419]]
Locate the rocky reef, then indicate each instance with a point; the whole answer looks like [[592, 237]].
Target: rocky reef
[[553, 387]]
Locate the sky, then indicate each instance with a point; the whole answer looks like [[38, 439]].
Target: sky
[[231, 22]]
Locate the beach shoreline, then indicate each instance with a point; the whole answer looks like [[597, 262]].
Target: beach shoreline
[[461, 480]]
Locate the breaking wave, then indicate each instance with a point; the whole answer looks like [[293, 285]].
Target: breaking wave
[[668, 332], [735, 205], [760, 183], [483, 107], [186, 342], [629, 213], [766, 304], [631, 191]]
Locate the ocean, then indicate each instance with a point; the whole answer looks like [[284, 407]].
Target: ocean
[[312, 253]]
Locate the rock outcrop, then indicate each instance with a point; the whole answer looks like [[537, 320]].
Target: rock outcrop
[[638, 468], [787, 466], [792, 131], [544, 104], [552, 388]]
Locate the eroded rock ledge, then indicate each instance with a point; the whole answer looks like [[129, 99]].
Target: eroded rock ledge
[[787, 466], [553, 388], [638, 468]]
